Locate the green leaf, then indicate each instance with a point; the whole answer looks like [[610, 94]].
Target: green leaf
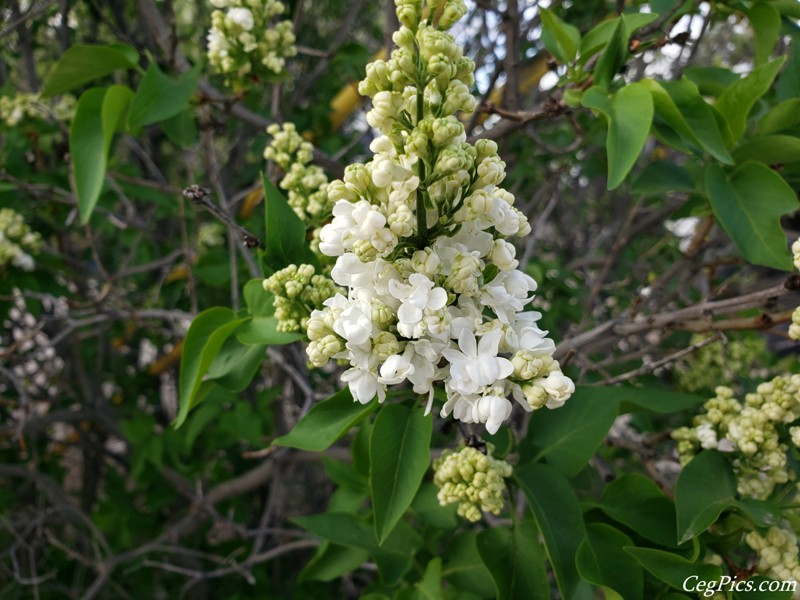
[[203, 341], [661, 177], [83, 63], [697, 503], [681, 106], [769, 149], [637, 502], [399, 450], [332, 561], [181, 129], [561, 39], [161, 96], [711, 81], [258, 300], [515, 560], [98, 115], [655, 400], [613, 57], [602, 561], [464, 567], [558, 518], [749, 204], [264, 331], [736, 101], [788, 85], [236, 365], [630, 113], [426, 506], [766, 23], [430, 586], [568, 437], [782, 117], [286, 233], [326, 422], [598, 36], [673, 569]]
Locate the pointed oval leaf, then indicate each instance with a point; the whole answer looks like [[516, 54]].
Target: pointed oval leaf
[[399, 450], [613, 57], [326, 422], [561, 39], [769, 149], [602, 561], [516, 561], [782, 117], [83, 63], [286, 233], [161, 96], [749, 204], [766, 23], [673, 569], [697, 503], [202, 344]]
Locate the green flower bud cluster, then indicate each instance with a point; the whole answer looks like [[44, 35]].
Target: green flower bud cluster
[[306, 184], [777, 553], [471, 478], [298, 291], [754, 433], [243, 42], [17, 241], [15, 109], [710, 364]]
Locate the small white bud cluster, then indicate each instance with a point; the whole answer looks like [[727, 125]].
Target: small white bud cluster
[[306, 184], [18, 243], [755, 432], [420, 235], [777, 554], [14, 109], [794, 328], [298, 291], [244, 44], [471, 478]]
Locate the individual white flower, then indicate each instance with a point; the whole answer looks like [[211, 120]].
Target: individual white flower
[[354, 324], [493, 410], [416, 297], [364, 385], [559, 388], [242, 17], [476, 364]]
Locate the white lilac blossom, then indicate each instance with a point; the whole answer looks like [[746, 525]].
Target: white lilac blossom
[[298, 290], [421, 235], [778, 553], [794, 327], [245, 43]]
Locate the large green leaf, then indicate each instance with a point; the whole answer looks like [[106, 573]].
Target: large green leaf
[[429, 587], [769, 149], [464, 567], [259, 301], [203, 341], [629, 113], [264, 330], [657, 400], [161, 96], [749, 204], [568, 437], [602, 561], [236, 364], [781, 117], [681, 106], [598, 36], [613, 57], [637, 502], [286, 234], [326, 422], [83, 63], [673, 569], [98, 115], [399, 450], [766, 23], [332, 561], [736, 101], [558, 517], [660, 177], [561, 39], [516, 561], [697, 503]]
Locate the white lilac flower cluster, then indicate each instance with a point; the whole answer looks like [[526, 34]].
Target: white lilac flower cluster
[[756, 433], [471, 478], [298, 291], [14, 109], [794, 328], [778, 554], [420, 234], [244, 43], [305, 184], [17, 242]]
